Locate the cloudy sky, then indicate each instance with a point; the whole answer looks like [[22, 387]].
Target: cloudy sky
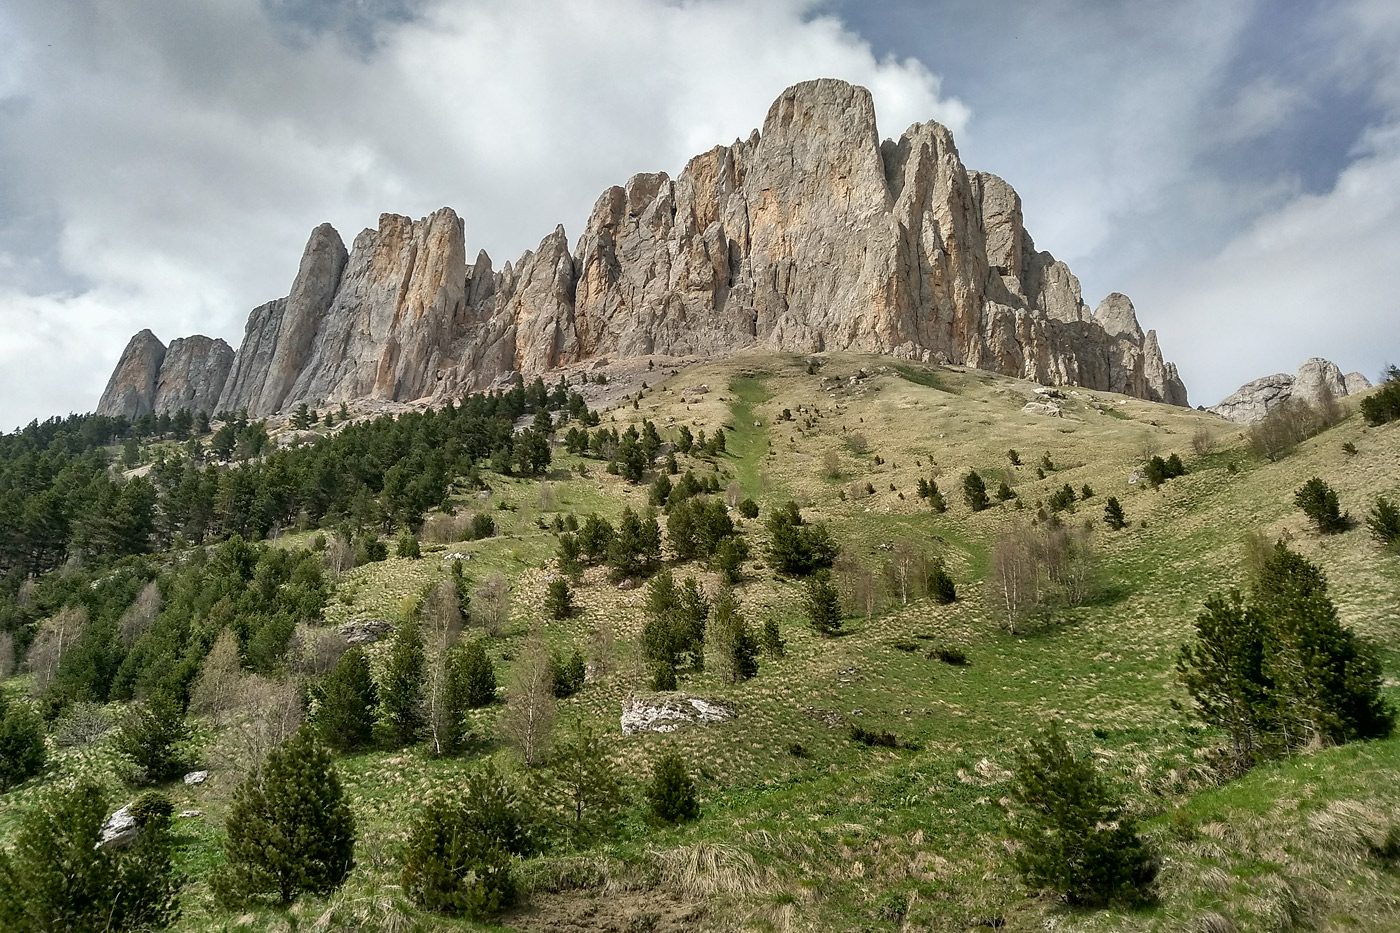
[[1233, 166]]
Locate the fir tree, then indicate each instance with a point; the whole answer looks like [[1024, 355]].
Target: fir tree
[[290, 829], [1318, 502], [1384, 523], [401, 695], [567, 674], [935, 498], [773, 644], [407, 545], [671, 792], [345, 703], [734, 640], [1075, 837], [55, 876], [941, 588]]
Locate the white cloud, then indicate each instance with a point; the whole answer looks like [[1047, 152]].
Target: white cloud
[[187, 151]]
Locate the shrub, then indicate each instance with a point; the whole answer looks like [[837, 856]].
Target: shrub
[[156, 738], [975, 491], [345, 702], [1384, 522], [1383, 406], [1061, 499], [748, 508], [950, 655], [55, 877], [734, 640], [872, 738], [290, 829], [460, 853], [671, 793], [22, 748], [1004, 492], [772, 639], [1075, 837], [663, 676], [1014, 457], [1318, 502]]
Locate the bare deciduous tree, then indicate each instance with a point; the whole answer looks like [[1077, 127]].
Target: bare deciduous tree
[[491, 602], [7, 655], [1015, 574], [314, 650], [140, 614], [530, 709], [443, 618], [603, 648], [56, 635], [219, 687], [862, 591]]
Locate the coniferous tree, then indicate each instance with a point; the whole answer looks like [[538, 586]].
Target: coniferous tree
[[1113, 514], [734, 640], [558, 601], [671, 792], [155, 736], [401, 696], [1384, 523], [582, 783], [478, 675], [290, 829], [346, 700], [773, 644], [1075, 837], [407, 545], [823, 605], [22, 749], [567, 674], [56, 877], [941, 588], [975, 491], [460, 853], [935, 498], [1318, 501]]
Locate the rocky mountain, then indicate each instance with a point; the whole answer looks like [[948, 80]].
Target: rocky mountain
[[811, 235], [1316, 380], [153, 378]]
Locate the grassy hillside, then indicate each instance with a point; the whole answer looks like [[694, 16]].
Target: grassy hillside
[[850, 837]]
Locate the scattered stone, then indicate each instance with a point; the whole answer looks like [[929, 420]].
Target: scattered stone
[[365, 631], [1049, 409], [1135, 477], [457, 555], [1048, 392], [119, 830], [189, 814], [627, 584], [196, 777], [669, 713]]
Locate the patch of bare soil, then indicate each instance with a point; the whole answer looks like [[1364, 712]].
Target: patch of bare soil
[[620, 912]]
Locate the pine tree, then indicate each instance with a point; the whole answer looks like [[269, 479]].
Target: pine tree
[[55, 877], [935, 498], [345, 703], [407, 545], [941, 588], [155, 736], [22, 749], [975, 491], [734, 640], [290, 829], [1075, 837], [1384, 522], [558, 601], [1318, 502], [478, 675], [460, 853], [823, 605], [1113, 514], [401, 696], [773, 644], [582, 783], [671, 793]]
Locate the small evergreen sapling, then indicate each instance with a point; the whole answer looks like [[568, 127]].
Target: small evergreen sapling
[[1318, 501], [558, 600], [345, 702], [1075, 837], [823, 605], [1113, 514], [975, 491], [478, 675], [155, 736], [290, 829], [401, 695], [1384, 523], [671, 793]]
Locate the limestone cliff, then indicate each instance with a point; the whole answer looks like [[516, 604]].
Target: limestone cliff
[[151, 378], [809, 235]]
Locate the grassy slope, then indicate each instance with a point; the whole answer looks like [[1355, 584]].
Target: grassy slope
[[856, 838]]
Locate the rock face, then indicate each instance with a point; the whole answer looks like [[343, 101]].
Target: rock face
[[1316, 381], [131, 390], [811, 235], [151, 378]]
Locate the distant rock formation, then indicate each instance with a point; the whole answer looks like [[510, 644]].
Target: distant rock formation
[[153, 379], [1316, 380], [812, 235]]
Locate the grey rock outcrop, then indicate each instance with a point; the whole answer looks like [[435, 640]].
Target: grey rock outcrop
[[669, 713], [131, 389], [192, 374], [1316, 381], [119, 830], [810, 235]]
